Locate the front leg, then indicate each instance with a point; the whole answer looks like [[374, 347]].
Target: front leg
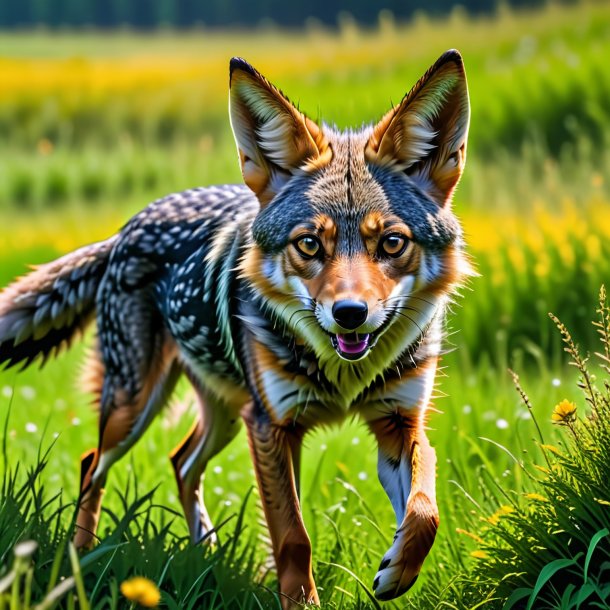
[[407, 470], [272, 446]]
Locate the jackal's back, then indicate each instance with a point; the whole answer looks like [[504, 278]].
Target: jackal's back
[[170, 267], [174, 268]]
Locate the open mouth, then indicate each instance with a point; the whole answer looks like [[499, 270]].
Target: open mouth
[[355, 346], [351, 346]]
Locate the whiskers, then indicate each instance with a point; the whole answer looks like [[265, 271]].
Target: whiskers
[[305, 316], [407, 297], [396, 307]]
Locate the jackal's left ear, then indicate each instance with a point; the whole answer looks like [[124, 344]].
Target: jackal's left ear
[[425, 135], [275, 140]]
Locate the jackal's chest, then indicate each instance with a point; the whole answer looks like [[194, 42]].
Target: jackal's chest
[[297, 390], [303, 399]]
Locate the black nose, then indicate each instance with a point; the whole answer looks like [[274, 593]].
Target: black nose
[[350, 314]]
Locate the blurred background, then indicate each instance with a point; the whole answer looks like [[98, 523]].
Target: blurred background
[[108, 104], [105, 105]]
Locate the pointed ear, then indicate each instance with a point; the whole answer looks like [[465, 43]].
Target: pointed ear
[[425, 135], [275, 140]]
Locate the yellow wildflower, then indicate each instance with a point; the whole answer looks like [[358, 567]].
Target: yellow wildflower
[[479, 554], [503, 510], [551, 448], [564, 412], [142, 591], [537, 497], [478, 539]]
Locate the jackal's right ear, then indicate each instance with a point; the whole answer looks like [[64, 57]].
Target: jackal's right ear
[[275, 140], [425, 135]]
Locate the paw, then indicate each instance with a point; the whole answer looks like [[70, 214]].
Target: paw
[[400, 566], [303, 597], [394, 576]]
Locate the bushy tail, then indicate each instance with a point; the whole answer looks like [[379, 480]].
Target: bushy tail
[[41, 311]]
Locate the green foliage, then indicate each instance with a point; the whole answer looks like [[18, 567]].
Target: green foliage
[[536, 80], [140, 542], [349, 519], [549, 547]]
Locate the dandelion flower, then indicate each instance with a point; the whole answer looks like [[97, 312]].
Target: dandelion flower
[[564, 412], [142, 591]]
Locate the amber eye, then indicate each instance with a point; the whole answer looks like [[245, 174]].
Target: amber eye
[[308, 246], [393, 245]]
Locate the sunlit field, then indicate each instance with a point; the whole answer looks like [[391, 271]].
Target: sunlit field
[[92, 127]]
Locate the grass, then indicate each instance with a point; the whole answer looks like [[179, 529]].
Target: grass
[[190, 577], [549, 545], [482, 449], [95, 126], [350, 521], [99, 125]]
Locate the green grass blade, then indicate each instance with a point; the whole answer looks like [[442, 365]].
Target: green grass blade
[[102, 573], [78, 577], [516, 596], [374, 602], [566, 598], [59, 553], [546, 574], [99, 552], [584, 593], [594, 542]]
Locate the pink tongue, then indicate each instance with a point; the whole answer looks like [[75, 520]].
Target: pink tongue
[[353, 343]]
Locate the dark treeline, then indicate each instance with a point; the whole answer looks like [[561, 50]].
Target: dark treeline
[[149, 14]]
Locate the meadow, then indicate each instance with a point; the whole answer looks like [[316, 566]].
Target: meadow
[[94, 126]]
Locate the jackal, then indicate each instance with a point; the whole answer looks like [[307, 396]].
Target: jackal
[[314, 293]]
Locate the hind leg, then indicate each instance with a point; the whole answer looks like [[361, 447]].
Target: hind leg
[[217, 425], [118, 434], [140, 370]]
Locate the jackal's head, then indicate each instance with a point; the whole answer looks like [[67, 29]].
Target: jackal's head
[[355, 245]]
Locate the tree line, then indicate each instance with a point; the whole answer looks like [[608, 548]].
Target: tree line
[[150, 14]]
